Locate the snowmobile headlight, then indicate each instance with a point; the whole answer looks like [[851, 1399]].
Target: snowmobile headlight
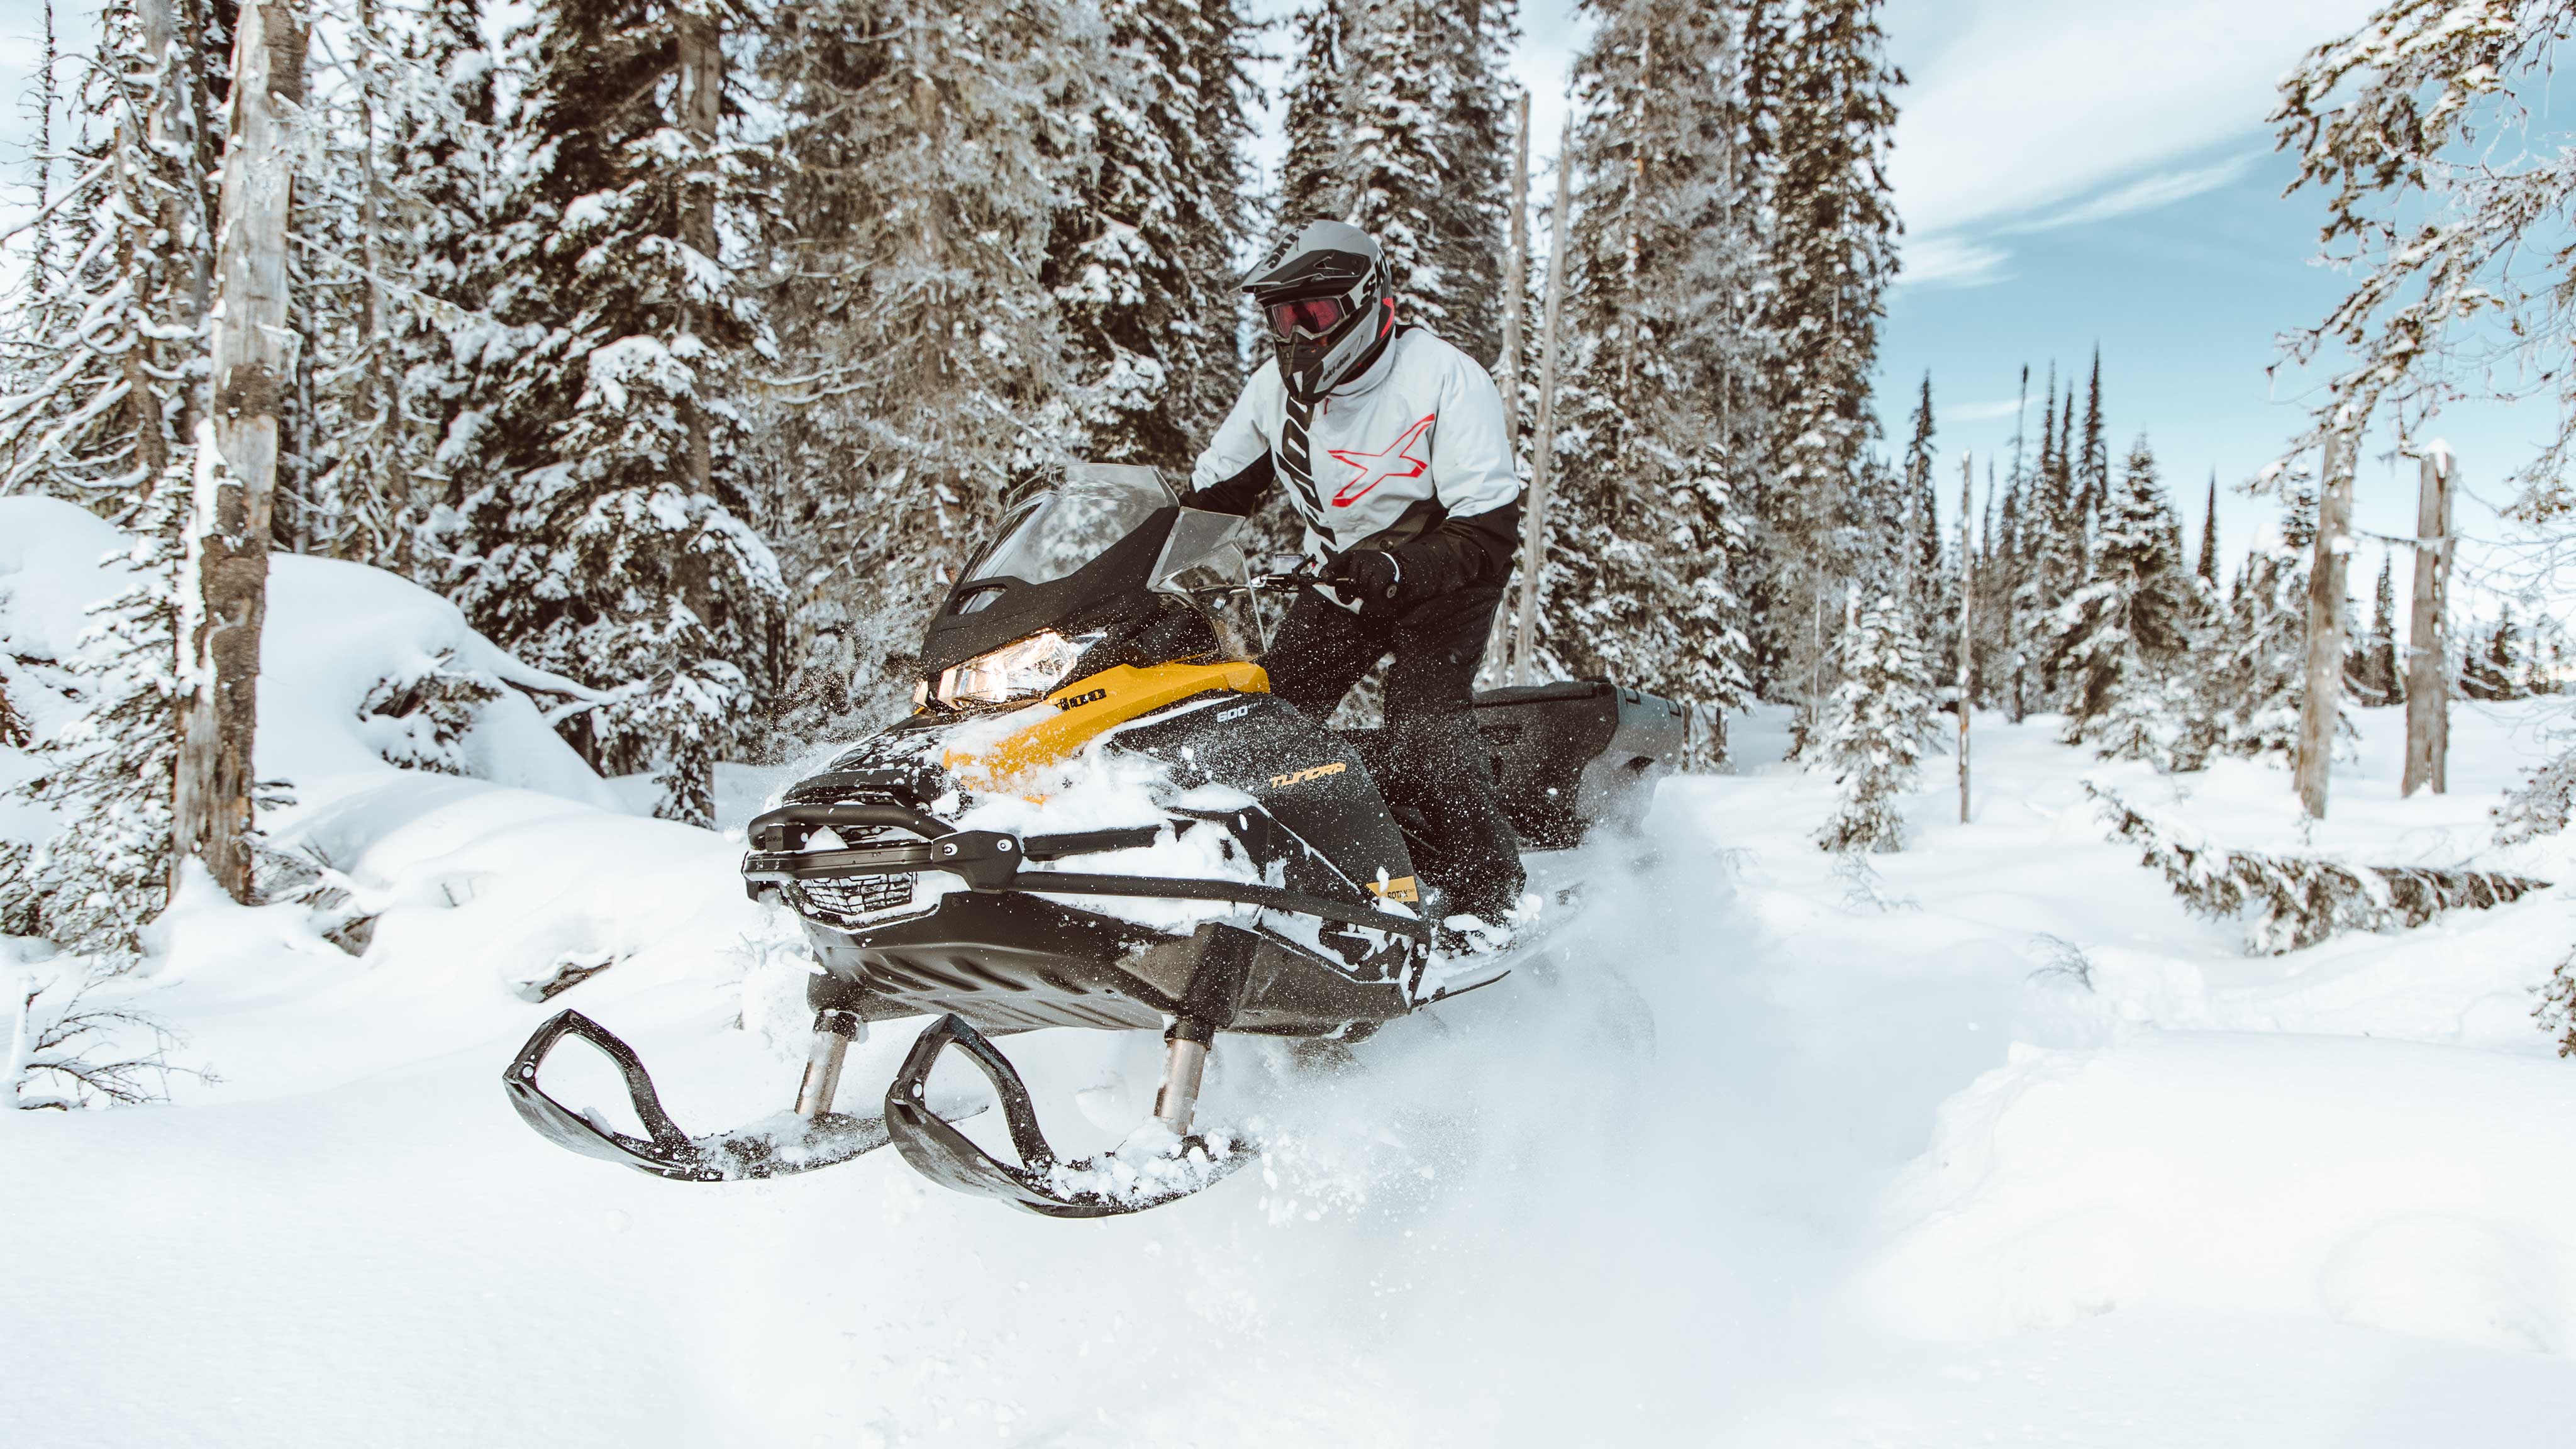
[[1023, 670]]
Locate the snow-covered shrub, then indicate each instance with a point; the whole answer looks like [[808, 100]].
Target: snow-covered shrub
[[2540, 805], [1882, 718], [2300, 901], [2556, 1012], [434, 706], [66, 1050]]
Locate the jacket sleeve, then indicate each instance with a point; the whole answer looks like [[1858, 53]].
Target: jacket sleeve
[[1233, 474], [1478, 483]]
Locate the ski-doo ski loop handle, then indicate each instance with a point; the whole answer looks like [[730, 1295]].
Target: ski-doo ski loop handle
[[773, 1149], [989, 860], [1039, 1182]]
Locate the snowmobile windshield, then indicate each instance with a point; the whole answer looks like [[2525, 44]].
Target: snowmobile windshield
[[1051, 535]]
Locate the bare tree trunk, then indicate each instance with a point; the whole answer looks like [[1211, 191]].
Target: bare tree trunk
[[1534, 522], [1515, 279], [701, 97], [2322, 696], [225, 590], [2428, 645], [1967, 620], [1507, 369]]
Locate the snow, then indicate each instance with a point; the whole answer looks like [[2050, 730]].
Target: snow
[[1767, 1149]]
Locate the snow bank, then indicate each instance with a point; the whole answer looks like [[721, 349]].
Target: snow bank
[[2417, 1189], [334, 632]]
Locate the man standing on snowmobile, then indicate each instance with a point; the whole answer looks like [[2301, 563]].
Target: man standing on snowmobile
[[1390, 443]]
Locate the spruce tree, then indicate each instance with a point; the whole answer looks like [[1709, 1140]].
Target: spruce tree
[[105, 775], [2382, 682], [1141, 257], [600, 508], [1824, 95], [1879, 725], [1396, 125], [922, 155], [2093, 465], [2208, 570], [2120, 639], [1649, 546]]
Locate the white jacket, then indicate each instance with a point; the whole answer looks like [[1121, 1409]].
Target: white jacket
[[1424, 421]]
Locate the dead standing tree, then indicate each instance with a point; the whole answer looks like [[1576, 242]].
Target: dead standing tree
[[2428, 645], [2321, 697], [224, 591]]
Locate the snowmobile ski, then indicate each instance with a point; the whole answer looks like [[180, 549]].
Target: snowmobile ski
[[1161, 1168], [789, 1143]]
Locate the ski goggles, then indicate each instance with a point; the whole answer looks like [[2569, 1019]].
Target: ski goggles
[[1307, 317]]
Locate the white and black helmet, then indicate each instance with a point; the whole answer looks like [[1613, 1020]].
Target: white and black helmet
[[1325, 302]]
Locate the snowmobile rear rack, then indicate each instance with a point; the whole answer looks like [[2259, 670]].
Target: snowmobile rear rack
[[990, 860], [774, 1148]]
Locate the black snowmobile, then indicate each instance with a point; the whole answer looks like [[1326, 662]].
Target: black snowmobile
[[1105, 617]]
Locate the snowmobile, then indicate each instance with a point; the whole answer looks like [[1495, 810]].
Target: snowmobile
[[1106, 620]]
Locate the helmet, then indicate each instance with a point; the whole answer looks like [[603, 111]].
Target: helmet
[[1325, 303]]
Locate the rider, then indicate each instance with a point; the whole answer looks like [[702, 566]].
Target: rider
[[1392, 448]]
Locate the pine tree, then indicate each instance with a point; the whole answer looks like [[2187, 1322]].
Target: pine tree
[[1140, 262], [1824, 96], [399, 195], [2380, 681], [2093, 466], [1879, 726], [923, 153], [105, 776], [600, 519], [1929, 595], [2208, 570], [1644, 575], [1396, 125], [2121, 638], [106, 357]]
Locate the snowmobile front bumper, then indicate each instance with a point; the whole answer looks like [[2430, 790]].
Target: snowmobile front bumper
[[789, 1143]]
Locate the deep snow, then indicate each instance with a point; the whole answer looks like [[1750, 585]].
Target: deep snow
[[1768, 1153]]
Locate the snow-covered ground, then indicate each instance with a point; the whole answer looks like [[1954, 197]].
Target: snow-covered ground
[[1993, 1144]]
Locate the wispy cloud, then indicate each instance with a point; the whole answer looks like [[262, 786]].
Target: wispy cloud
[[1951, 261], [2145, 194]]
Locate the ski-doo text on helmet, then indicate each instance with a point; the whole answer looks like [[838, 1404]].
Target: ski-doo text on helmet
[[1325, 301]]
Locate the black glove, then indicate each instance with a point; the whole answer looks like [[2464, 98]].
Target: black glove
[[1370, 577]]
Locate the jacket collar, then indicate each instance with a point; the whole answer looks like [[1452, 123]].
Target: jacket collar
[[1375, 373]]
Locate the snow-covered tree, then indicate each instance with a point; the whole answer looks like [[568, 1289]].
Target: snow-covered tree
[[1141, 261], [105, 348], [1879, 726], [1649, 536], [2120, 638], [399, 191], [2373, 673], [1397, 124], [922, 155], [105, 773], [599, 530], [1824, 89]]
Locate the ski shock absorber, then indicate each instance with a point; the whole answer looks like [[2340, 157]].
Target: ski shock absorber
[[834, 1030], [1185, 1054]]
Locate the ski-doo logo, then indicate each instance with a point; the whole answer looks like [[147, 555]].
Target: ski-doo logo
[[1076, 701], [1311, 772]]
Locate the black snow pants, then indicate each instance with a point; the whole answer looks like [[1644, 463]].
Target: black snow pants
[[1429, 758]]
